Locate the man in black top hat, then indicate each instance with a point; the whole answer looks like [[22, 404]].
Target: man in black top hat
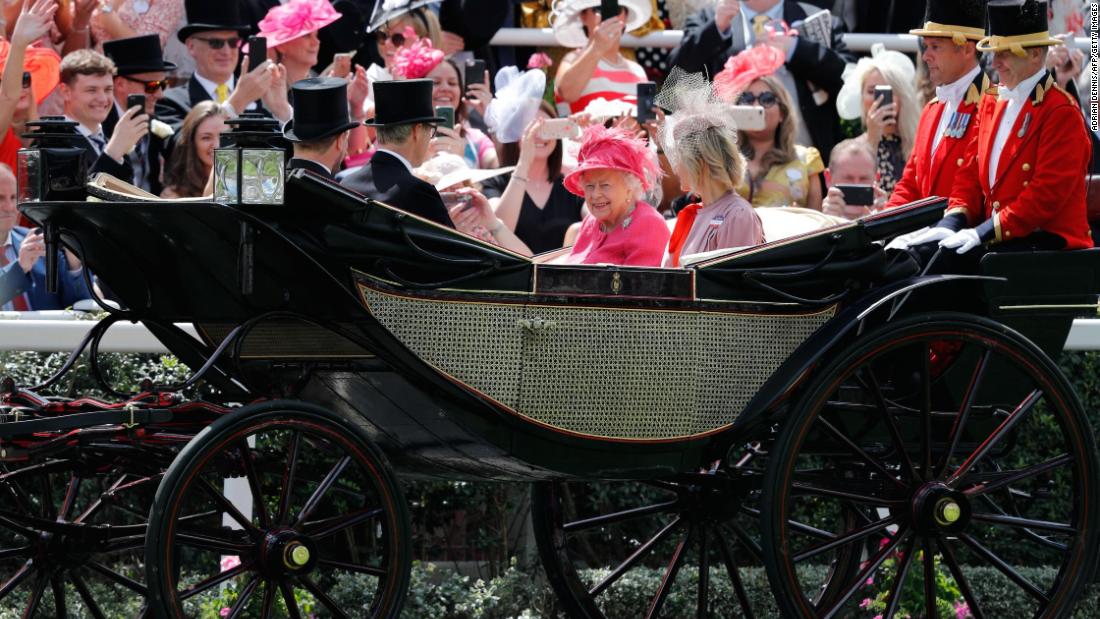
[[213, 35], [140, 70], [405, 121], [319, 129]]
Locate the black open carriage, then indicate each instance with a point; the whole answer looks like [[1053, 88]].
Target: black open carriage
[[813, 404]]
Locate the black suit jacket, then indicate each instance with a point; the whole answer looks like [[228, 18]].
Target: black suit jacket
[[157, 151], [104, 163], [305, 164], [386, 179], [704, 48]]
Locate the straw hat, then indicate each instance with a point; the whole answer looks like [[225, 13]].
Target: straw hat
[[565, 18]]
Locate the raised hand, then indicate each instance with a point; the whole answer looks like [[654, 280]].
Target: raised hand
[[33, 23]]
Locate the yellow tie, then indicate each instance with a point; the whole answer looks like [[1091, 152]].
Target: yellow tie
[[221, 93], [758, 25]]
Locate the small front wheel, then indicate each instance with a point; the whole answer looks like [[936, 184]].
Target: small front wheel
[[282, 509]]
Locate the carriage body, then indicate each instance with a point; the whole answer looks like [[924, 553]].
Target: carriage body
[[461, 360]]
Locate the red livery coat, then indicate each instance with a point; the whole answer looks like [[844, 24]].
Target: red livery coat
[[934, 175], [1041, 173]]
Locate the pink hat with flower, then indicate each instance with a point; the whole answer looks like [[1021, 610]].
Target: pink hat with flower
[[748, 66], [415, 61], [295, 19], [612, 149]]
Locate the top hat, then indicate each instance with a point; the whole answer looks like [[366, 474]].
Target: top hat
[[402, 102], [140, 54], [1014, 25], [204, 15], [320, 109], [959, 19], [392, 9]]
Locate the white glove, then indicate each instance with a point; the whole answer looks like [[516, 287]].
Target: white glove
[[920, 237], [962, 241]]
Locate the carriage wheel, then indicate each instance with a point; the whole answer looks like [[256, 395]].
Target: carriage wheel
[[698, 533], [279, 510], [72, 532], [916, 428]]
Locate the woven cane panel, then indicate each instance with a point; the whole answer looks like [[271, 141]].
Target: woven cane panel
[[476, 343], [601, 372]]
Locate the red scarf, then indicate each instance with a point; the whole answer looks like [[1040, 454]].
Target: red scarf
[[685, 219]]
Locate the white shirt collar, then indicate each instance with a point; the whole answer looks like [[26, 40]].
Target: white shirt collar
[[209, 86], [956, 90], [7, 241], [399, 158], [84, 131], [776, 12], [1023, 89]]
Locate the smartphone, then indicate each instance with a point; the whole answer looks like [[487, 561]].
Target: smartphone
[[475, 72], [857, 195], [647, 96], [26, 79], [560, 129], [138, 100], [257, 52], [448, 114], [609, 9]]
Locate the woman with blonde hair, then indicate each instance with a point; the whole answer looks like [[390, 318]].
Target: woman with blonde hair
[[192, 159], [890, 128], [700, 141], [397, 24]]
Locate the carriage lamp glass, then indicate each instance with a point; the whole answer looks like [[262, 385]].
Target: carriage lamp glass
[[53, 167], [248, 167]]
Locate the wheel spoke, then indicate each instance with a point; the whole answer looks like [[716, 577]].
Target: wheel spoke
[[289, 474], [964, 411], [331, 526], [85, 594], [228, 507], [353, 567], [268, 600], [214, 580], [1005, 478], [18, 577], [1004, 568], [319, 493], [69, 502], [322, 597], [254, 485], [843, 494], [751, 545], [859, 451], [999, 433], [891, 425], [735, 577], [893, 599], [929, 561], [129, 583], [670, 576], [244, 598], [1025, 523], [288, 599], [59, 601], [36, 597], [196, 540], [960, 580], [861, 580], [636, 512], [633, 558], [704, 574], [926, 411], [855, 535], [11, 553]]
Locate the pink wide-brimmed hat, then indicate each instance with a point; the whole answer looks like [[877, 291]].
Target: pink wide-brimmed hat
[[415, 61], [612, 149], [749, 65], [295, 19]]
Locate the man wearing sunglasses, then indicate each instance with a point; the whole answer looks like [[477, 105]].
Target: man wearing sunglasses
[[213, 36], [141, 70]]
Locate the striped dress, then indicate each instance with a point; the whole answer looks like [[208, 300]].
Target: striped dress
[[611, 82]]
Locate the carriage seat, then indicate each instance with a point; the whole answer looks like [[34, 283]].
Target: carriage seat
[[107, 188], [780, 222]]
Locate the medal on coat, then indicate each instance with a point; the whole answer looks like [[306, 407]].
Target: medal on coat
[[1024, 126], [141, 7]]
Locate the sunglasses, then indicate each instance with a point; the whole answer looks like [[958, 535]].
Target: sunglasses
[[765, 99], [217, 43], [397, 38], [151, 88]]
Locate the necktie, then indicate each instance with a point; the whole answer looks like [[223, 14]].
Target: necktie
[[98, 142], [19, 303], [758, 23], [221, 93]]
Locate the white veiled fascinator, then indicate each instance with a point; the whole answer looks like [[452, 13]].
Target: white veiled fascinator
[[516, 103], [694, 108], [849, 103]]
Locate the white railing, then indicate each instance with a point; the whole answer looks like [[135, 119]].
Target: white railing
[[856, 41], [62, 332]]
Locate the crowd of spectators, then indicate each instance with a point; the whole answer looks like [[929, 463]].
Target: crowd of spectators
[[544, 149]]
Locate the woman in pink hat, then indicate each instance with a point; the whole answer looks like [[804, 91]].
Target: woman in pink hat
[[291, 31], [614, 170]]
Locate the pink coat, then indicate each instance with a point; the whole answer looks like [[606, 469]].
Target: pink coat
[[641, 243]]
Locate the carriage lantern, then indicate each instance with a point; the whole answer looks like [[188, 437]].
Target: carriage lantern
[[249, 166], [53, 168]]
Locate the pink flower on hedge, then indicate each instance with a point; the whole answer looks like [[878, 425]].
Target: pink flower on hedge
[[417, 60], [224, 612], [230, 561], [540, 61], [865, 603], [962, 610]]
